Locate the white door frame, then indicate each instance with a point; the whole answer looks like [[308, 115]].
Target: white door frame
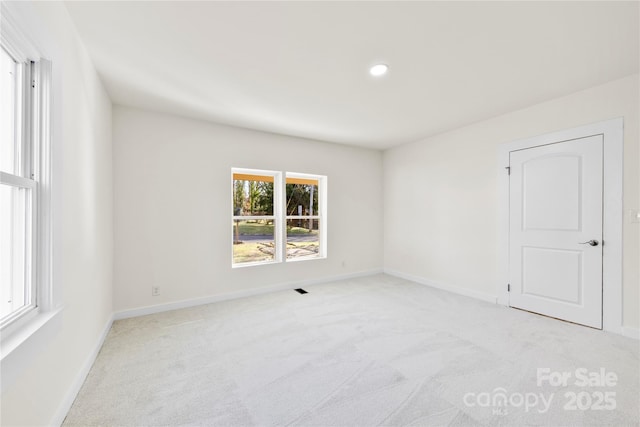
[[612, 133]]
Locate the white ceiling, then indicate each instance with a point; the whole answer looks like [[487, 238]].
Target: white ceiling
[[301, 68]]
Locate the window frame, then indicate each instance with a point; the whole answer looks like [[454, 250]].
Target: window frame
[[277, 213], [280, 217], [34, 130], [320, 216]]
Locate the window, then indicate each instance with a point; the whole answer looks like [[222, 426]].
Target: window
[[274, 220], [255, 225], [23, 181], [303, 216]]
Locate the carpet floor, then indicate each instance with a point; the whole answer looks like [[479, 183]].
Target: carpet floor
[[376, 350]]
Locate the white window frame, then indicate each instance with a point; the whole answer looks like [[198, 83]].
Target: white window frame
[[280, 218], [277, 214], [35, 175], [321, 216]]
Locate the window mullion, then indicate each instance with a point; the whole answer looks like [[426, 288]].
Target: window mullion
[[279, 210]]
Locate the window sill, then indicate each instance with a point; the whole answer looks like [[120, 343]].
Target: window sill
[[299, 259], [305, 258], [253, 264], [15, 339]]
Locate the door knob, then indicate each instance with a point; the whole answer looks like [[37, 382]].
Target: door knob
[[590, 243]]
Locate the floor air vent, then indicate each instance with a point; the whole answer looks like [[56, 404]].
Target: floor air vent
[[301, 291]]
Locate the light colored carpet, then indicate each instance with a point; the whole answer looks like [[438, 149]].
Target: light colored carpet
[[371, 351]]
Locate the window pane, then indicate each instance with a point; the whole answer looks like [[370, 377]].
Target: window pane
[[252, 196], [8, 151], [302, 198], [14, 262], [253, 241], [302, 238]]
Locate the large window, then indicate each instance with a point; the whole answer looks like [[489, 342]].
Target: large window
[[255, 225], [276, 220], [23, 173]]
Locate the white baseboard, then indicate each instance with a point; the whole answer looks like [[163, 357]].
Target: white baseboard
[[152, 309], [445, 287], [630, 332], [622, 330], [69, 398]]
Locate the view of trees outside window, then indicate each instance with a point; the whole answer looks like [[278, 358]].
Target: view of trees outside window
[[253, 224], [254, 220], [303, 219]]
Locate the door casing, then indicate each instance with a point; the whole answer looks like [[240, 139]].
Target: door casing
[[612, 132]]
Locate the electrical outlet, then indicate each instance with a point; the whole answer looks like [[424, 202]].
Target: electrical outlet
[[155, 291]]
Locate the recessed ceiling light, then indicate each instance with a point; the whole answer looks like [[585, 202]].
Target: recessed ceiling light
[[379, 70]]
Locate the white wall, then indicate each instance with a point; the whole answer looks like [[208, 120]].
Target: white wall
[[39, 378], [441, 193], [173, 207]]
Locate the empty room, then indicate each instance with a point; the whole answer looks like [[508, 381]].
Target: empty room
[[229, 213]]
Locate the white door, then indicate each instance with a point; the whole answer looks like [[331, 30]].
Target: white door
[[555, 230]]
